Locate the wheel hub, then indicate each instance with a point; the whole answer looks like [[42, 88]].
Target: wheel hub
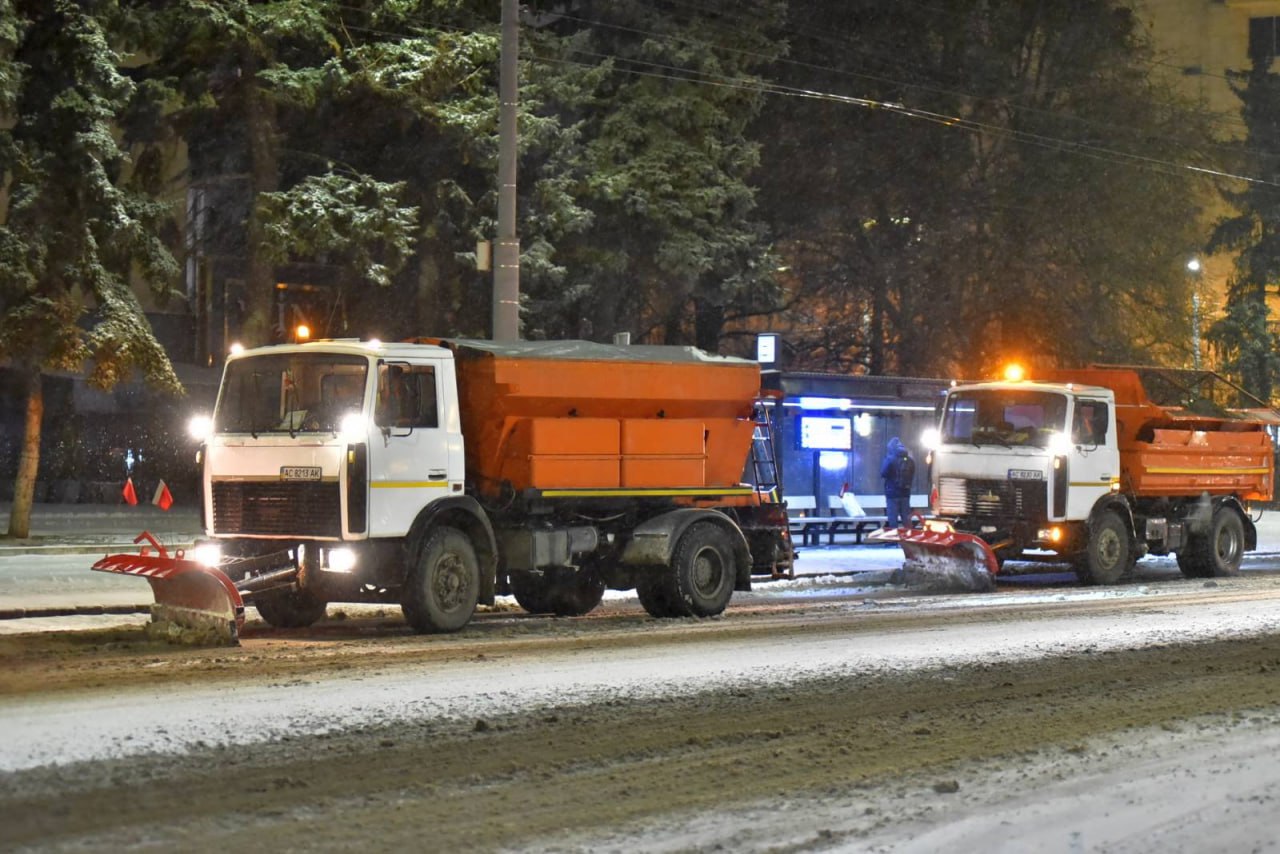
[[1108, 549], [450, 582], [707, 571]]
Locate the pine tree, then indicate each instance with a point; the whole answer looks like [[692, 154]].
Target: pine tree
[[74, 231], [1244, 338], [355, 142], [675, 249], [220, 74], [1001, 188]]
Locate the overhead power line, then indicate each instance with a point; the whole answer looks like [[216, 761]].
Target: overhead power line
[[638, 67], [1094, 150], [826, 38]]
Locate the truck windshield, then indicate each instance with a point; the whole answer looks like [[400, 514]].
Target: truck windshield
[[295, 393], [1009, 417]]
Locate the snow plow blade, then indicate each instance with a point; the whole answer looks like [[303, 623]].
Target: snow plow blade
[[193, 601], [940, 558]]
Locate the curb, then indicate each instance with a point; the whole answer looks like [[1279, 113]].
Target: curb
[[85, 548], [72, 611]]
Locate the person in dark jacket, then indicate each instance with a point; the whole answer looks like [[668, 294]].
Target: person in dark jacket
[[898, 471]]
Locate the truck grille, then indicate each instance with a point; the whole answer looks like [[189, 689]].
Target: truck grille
[[992, 499], [306, 509]]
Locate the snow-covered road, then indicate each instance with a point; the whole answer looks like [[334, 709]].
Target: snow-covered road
[[132, 721]]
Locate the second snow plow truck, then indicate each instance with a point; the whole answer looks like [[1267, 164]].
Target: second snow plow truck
[[439, 473], [1100, 465]]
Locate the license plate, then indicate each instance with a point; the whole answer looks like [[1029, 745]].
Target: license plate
[[1025, 474], [300, 472]]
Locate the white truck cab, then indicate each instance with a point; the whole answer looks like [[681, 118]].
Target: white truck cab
[[1101, 466], [297, 426], [1012, 459]]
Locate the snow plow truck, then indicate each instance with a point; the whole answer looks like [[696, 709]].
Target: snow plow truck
[[1098, 466], [436, 474]]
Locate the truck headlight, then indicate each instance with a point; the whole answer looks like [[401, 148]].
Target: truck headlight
[[353, 428], [1050, 535], [1059, 444], [341, 560], [208, 554], [931, 439], [200, 427]]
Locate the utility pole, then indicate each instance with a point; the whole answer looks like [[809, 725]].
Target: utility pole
[[506, 268]]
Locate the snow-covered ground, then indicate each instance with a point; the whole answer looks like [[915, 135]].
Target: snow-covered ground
[[139, 720], [1124, 793]]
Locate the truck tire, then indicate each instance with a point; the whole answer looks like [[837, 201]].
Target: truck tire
[[532, 592], [1189, 561], [703, 569], [1219, 553], [443, 587], [657, 595], [289, 609], [1108, 556], [573, 594], [566, 593]]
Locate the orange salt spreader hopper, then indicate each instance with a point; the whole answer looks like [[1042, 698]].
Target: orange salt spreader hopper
[[549, 415]]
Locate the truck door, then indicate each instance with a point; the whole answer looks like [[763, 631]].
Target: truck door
[[1095, 460], [409, 450]]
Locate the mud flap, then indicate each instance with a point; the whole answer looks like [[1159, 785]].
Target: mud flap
[[939, 558], [194, 602]]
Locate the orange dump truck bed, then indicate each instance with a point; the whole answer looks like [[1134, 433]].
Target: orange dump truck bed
[[1186, 432], [575, 414], [1189, 462]]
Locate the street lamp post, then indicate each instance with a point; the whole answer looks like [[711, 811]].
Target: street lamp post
[[1193, 267]]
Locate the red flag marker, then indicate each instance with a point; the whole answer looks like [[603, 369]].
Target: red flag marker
[[130, 496], [162, 498]]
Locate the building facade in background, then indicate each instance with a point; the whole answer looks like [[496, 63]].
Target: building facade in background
[[1198, 42]]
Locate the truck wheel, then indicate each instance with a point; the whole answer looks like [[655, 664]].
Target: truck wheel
[[443, 586], [289, 609], [657, 595], [532, 592], [1107, 555], [573, 594], [1217, 554], [703, 569], [1192, 561]]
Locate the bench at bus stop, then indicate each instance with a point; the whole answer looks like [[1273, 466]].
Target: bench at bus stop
[[809, 526], [806, 523], [858, 526]]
